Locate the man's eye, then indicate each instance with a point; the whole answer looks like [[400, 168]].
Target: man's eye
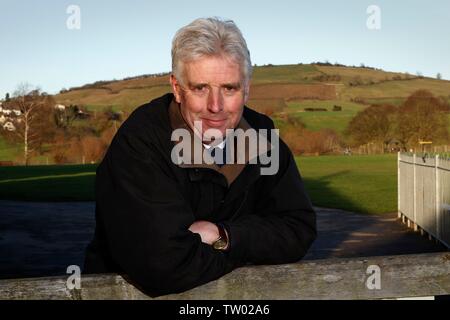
[[200, 88], [230, 88]]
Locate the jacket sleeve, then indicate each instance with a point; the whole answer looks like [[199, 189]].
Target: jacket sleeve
[[283, 225], [146, 221]]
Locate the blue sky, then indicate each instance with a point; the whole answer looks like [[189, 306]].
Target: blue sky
[[119, 39]]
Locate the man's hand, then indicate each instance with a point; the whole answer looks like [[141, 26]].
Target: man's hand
[[208, 231]]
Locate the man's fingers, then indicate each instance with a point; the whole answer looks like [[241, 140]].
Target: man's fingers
[[208, 231]]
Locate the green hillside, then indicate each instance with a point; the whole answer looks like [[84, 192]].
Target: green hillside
[[297, 86], [276, 90]]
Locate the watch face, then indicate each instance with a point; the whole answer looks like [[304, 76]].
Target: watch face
[[220, 244]]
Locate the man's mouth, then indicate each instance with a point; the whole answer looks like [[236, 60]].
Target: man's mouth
[[214, 122]]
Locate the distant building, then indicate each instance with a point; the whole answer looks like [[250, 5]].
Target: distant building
[[9, 126]]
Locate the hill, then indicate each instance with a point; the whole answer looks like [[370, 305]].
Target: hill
[[284, 88], [278, 91]]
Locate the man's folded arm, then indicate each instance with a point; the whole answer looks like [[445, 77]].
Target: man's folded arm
[[283, 226], [146, 221]]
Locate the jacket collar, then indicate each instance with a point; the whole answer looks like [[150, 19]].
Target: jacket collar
[[230, 171]]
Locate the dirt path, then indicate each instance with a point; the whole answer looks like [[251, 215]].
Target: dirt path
[[42, 239]]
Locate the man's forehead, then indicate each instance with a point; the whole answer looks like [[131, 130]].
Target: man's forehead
[[212, 70]]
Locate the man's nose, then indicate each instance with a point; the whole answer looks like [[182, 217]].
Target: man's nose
[[215, 100]]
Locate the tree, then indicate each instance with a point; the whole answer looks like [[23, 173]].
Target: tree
[[7, 97], [422, 118], [114, 117], [374, 124], [64, 117], [439, 76], [32, 124]]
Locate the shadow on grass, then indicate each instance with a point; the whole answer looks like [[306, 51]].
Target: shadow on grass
[[53, 183], [68, 188], [323, 195]]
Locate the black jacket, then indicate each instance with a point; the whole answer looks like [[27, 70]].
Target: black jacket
[[145, 204]]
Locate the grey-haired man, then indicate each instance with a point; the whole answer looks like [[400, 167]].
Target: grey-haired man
[[170, 225]]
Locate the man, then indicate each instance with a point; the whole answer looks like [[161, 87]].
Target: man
[[171, 225]]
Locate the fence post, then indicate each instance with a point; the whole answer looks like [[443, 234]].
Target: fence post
[[415, 188], [399, 213], [438, 202]]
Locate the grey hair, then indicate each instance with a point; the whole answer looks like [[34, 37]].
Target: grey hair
[[210, 37]]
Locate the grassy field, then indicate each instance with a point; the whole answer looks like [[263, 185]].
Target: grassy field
[[336, 120], [366, 184], [9, 152], [48, 183], [397, 89], [284, 74]]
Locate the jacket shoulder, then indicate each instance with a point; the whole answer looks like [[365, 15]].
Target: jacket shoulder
[[153, 113], [145, 131], [257, 120]]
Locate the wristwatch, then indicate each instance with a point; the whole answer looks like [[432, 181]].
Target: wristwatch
[[222, 242]]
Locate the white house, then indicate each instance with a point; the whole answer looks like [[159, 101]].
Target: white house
[[60, 107], [2, 119], [9, 126], [17, 112]]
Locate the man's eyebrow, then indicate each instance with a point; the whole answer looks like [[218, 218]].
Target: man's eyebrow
[[232, 85], [196, 84], [223, 85]]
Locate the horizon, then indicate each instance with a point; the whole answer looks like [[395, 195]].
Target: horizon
[[107, 40]]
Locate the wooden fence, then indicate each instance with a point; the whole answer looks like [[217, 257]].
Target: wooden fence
[[386, 277], [424, 194]]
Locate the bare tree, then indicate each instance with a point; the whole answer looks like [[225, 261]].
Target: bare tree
[[32, 121]]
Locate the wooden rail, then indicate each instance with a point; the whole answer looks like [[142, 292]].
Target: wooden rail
[[384, 277]]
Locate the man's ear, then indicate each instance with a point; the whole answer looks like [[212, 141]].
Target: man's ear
[[175, 88]]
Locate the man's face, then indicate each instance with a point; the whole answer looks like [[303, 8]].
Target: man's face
[[212, 92]]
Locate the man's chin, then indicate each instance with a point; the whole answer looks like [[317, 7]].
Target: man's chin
[[214, 128]]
